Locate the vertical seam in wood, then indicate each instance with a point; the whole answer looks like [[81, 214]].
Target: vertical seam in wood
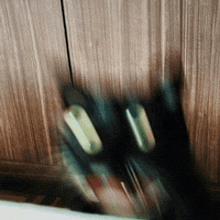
[[66, 40], [185, 33], [163, 38]]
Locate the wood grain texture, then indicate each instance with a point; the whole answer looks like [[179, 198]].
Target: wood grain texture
[[134, 45], [121, 46], [200, 55], [115, 46], [32, 54]]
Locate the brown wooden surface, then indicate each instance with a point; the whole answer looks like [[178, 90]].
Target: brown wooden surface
[[114, 45], [200, 57], [121, 45], [130, 45], [32, 54]]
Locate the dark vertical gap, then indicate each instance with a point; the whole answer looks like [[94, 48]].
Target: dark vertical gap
[[183, 84], [150, 47], [181, 42], [218, 174], [66, 39]]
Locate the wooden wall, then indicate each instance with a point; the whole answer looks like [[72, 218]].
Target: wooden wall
[[112, 45], [32, 55], [200, 58]]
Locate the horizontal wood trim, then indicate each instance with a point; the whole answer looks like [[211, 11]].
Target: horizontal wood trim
[[31, 171]]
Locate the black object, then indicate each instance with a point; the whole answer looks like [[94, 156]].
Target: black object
[[168, 163], [106, 117]]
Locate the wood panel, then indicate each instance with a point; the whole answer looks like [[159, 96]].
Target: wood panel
[[133, 45], [200, 56], [122, 45], [32, 56], [116, 46]]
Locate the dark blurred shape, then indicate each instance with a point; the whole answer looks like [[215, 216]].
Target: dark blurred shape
[[159, 183]]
